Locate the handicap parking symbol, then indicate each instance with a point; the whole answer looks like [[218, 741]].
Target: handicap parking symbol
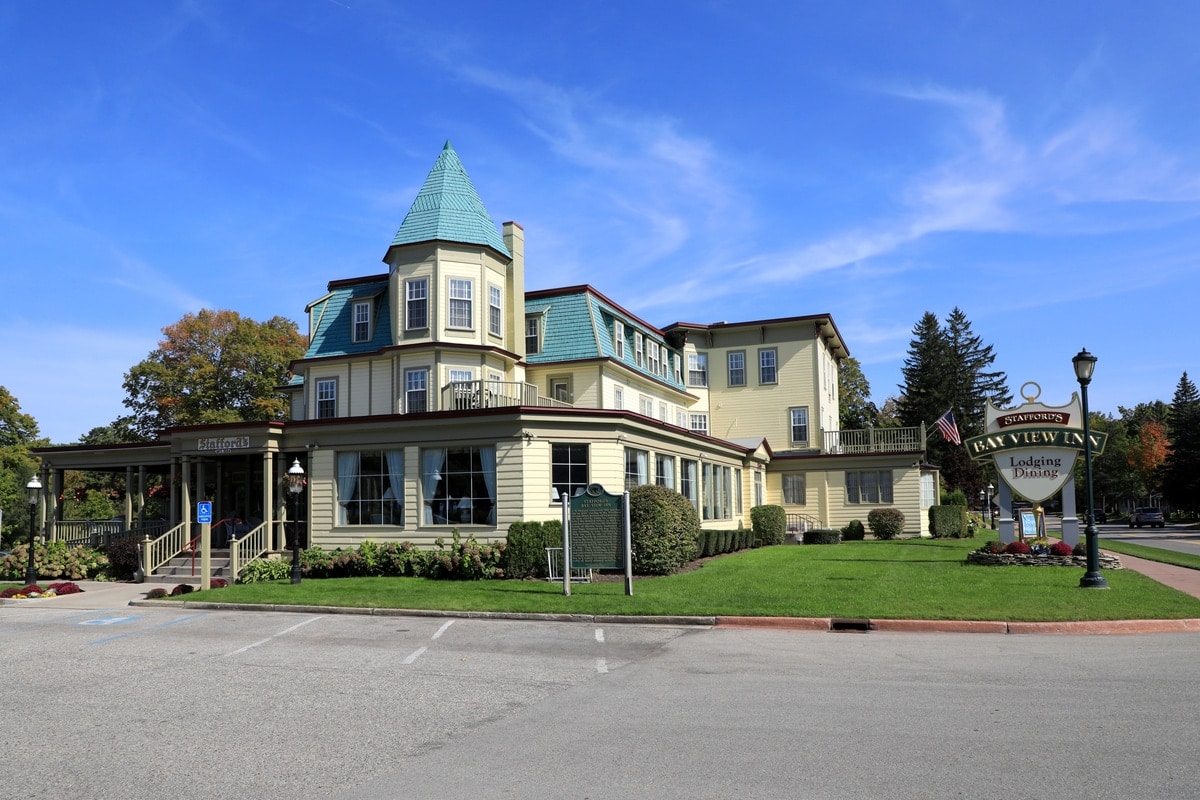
[[107, 620]]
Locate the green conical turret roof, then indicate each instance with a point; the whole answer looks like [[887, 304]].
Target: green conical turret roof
[[449, 209]]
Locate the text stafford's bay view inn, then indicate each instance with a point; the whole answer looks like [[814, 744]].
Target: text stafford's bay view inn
[[441, 395]]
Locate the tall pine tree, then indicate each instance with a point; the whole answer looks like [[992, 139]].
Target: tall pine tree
[[948, 368], [1181, 472]]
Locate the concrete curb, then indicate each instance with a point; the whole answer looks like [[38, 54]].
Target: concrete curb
[[803, 624]]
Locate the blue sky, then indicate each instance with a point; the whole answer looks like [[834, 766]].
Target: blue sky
[[1036, 164]]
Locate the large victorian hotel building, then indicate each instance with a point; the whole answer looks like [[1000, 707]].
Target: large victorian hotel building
[[440, 393]]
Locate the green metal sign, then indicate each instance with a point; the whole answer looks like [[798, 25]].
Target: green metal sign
[[597, 530]]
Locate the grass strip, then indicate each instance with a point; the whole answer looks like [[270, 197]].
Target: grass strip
[[1189, 560], [906, 579]]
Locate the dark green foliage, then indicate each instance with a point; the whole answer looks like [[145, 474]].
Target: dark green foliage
[[663, 527], [263, 570], [886, 523], [854, 531], [822, 536], [525, 555], [54, 560], [948, 522], [1181, 471], [769, 524], [955, 497], [465, 561]]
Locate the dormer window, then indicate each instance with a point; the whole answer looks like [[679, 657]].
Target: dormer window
[[362, 321], [533, 336]]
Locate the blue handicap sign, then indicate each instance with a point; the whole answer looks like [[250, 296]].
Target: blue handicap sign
[[204, 512]]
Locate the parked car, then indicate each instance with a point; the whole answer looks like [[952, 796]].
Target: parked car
[[1147, 515], [1101, 516]]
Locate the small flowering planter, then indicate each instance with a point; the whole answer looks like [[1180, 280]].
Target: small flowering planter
[[986, 559], [35, 592]]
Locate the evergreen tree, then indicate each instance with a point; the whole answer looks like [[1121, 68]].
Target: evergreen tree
[[947, 368], [855, 409], [1181, 472]]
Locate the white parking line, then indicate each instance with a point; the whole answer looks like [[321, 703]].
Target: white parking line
[[601, 666], [600, 635], [276, 636], [442, 629], [415, 655]]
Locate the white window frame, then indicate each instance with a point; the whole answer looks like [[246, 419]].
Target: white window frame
[[698, 422], [652, 360], [794, 425], [639, 342], [325, 397], [619, 339], [416, 296], [461, 292], [697, 369], [533, 333], [736, 374], [411, 390], [646, 405], [361, 326], [768, 365], [495, 310], [794, 488], [619, 398]]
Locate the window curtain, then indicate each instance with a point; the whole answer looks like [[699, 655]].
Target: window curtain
[[395, 465], [347, 479], [487, 461], [432, 461], [643, 467], [668, 472]]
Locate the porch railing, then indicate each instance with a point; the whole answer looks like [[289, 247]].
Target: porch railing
[[464, 395], [875, 440], [156, 552], [797, 524], [244, 550], [89, 532]]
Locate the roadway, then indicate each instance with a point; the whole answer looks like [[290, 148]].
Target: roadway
[[146, 702]]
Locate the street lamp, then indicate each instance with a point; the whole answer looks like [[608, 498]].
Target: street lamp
[[991, 519], [1085, 363], [33, 489], [295, 485], [982, 507]]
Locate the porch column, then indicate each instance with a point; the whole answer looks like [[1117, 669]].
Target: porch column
[[129, 497], [268, 498], [141, 496], [56, 508], [185, 492], [173, 495]]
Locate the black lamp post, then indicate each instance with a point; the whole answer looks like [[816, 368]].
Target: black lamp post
[[295, 485], [1085, 363], [991, 519], [33, 489]]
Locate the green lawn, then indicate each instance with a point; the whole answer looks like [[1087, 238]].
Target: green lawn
[[1189, 560], [908, 579]]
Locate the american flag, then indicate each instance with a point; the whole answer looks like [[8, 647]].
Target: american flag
[[948, 428]]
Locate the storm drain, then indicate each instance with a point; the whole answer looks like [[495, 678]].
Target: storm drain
[[850, 625]]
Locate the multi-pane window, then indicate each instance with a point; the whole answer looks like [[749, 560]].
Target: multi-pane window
[[416, 303], [869, 486], [495, 311], [652, 362], [737, 368], [416, 390], [793, 489], [698, 423], [462, 295], [619, 339], [662, 411], [533, 336], [639, 343], [646, 406], [370, 487], [799, 425], [758, 488], [362, 321], [568, 469], [619, 398], [637, 467], [326, 398], [688, 482], [768, 371], [678, 369], [737, 492], [715, 486], [697, 369], [664, 470], [458, 485]]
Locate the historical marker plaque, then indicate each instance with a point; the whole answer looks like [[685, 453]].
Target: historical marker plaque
[[597, 530]]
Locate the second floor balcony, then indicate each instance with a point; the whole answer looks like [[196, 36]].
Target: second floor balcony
[[465, 395], [875, 440]]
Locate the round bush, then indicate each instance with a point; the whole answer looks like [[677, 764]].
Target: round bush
[[822, 536], [1061, 549], [1018, 548], [886, 523], [854, 532], [663, 528]]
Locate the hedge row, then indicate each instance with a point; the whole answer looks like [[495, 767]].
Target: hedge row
[[715, 543]]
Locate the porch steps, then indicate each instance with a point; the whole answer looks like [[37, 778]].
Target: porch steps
[[179, 569]]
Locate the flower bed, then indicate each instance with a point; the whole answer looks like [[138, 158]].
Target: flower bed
[[33, 591], [1044, 559]]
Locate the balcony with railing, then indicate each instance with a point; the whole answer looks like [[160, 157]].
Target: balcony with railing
[[875, 440], [465, 395]]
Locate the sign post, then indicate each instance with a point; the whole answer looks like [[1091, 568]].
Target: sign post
[[599, 533], [204, 517]]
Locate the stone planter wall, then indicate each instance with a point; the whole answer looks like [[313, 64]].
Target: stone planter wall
[[1014, 560]]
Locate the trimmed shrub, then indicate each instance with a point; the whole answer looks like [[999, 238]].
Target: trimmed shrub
[[265, 570], [157, 593], [886, 523], [769, 524], [525, 554], [1018, 548], [663, 526], [822, 536], [124, 558], [954, 498], [948, 521], [854, 531], [1061, 549]]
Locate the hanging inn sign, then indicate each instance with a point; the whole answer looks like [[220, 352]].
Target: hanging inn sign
[[1034, 448]]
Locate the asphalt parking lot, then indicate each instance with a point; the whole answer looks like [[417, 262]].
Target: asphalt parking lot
[[146, 702]]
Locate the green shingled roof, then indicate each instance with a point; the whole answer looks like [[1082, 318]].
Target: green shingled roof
[[449, 209]]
